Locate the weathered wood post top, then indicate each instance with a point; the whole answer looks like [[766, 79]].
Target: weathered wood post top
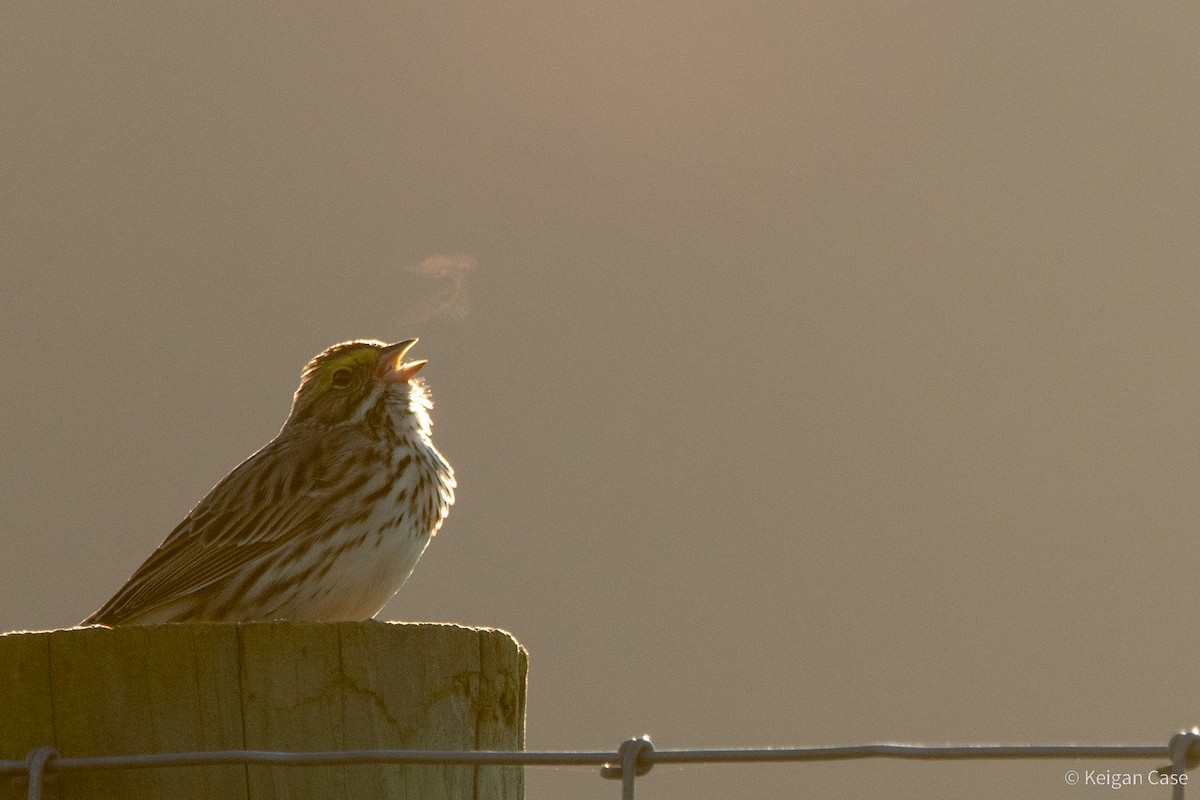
[[278, 686]]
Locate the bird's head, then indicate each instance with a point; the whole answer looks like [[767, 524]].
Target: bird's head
[[351, 381]]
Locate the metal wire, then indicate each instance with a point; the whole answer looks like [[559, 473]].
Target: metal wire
[[634, 758], [35, 763]]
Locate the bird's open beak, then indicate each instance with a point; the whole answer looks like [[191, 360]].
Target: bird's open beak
[[392, 367]]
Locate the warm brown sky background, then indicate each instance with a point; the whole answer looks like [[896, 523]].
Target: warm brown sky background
[[829, 373]]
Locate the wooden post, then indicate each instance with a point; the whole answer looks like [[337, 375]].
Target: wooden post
[[266, 686]]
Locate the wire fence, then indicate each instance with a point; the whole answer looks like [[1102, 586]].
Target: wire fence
[[634, 758]]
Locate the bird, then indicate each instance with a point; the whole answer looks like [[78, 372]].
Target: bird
[[325, 522]]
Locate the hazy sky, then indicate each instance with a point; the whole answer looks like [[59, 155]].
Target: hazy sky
[[826, 374]]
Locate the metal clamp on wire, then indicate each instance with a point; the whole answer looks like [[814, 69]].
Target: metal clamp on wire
[[37, 760], [1184, 749], [633, 754]]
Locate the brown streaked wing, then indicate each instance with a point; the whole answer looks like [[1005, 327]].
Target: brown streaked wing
[[278, 494]]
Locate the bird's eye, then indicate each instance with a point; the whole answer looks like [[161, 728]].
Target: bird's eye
[[341, 379]]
